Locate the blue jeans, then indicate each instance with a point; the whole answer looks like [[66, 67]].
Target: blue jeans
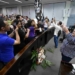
[[65, 58], [56, 41], [45, 28]]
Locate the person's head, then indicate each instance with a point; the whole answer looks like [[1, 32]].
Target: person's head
[[52, 18], [59, 23], [73, 33], [30, 23], [26, 17], [4, 26], [39, 22], [23, 22], [46, 20], [18, 23], [19, 17], [33, 22]]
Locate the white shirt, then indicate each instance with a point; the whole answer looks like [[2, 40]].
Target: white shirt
[[46, 25], [25, 20], [57, 28]]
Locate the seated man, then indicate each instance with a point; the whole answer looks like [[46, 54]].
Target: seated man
[[6, 43]]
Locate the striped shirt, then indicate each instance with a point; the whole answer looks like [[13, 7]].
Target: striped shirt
[[68, 46]]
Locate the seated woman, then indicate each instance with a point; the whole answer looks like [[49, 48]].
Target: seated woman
[[31, 26]]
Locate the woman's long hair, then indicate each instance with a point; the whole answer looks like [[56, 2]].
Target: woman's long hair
[[29, 23]]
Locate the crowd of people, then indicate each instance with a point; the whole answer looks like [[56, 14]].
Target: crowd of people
[[17, 31]]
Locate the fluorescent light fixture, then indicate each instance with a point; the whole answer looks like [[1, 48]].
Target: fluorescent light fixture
[[18, 1], [4, 1]]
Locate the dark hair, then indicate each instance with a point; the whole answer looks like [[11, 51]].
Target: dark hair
[[18, 16], [2, 24], [17, 21], [52, 18], [60, 23], [29, 23], [26, 16]]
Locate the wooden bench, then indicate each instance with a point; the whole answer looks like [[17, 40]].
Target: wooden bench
[[21, 63]]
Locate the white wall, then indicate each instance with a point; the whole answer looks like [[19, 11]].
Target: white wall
[[48, 10], [32, 12], [58, 11], [54, 10], [26, 11]]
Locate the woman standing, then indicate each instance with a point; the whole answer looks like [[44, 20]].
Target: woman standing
[[31, 25], [68, 47]]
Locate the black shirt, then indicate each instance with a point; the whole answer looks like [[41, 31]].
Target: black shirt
[[22, 34], [40, 25]]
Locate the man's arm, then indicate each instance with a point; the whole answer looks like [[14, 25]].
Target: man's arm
[[69, 36], [27, 34], [17, 41], [12, 34]]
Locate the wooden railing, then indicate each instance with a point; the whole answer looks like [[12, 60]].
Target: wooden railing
[[21, 63]]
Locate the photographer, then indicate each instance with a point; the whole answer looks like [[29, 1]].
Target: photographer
[[68, 47]]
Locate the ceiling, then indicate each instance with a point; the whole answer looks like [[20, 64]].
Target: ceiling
[[13, 2]]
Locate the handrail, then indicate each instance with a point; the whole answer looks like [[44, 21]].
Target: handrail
[[13, 61], [8, 66]]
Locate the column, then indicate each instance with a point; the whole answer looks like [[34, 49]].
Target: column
[[67, 12]]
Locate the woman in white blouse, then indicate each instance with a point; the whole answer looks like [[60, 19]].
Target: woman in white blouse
[[57, 29], [46, 24]]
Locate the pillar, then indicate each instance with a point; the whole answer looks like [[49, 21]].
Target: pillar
[[67, 12]]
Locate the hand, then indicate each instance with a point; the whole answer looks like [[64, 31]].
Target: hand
[[28, 30], [16, 28], [65, 29]]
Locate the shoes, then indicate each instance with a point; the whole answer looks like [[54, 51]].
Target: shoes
[[56, 47]]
